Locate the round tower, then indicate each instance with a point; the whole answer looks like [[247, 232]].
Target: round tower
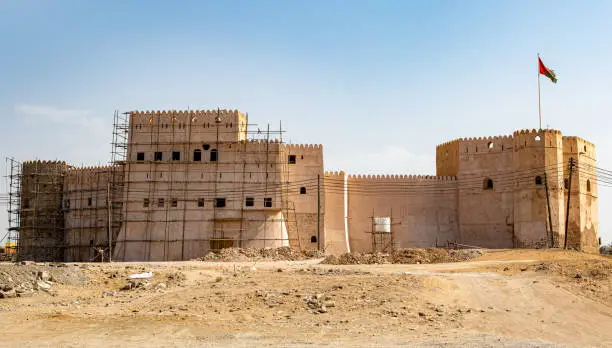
[[41, 230]]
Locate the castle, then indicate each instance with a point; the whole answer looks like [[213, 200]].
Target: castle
[[186, 182]]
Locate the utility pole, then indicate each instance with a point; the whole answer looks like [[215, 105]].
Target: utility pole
[[569, 194], [318, 211], [110, 243], [552, 235]]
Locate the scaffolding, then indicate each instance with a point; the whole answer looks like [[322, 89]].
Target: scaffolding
[[383, 233], [13, 205], [170, 209]]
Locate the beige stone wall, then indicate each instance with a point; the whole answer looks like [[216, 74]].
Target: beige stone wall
[[447, 158], [179, 228], [583, 223], [423, 210], [86, 210], [335, 238], [485, 215], [303, 193]]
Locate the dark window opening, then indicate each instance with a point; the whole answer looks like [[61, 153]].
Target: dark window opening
[[206, 147], [566, 184], [588, 185], [174, 203], [160, 203], [291, 159], [488, 184], [313, 239], [89, 201], [585, 149], [302, 190], [140, 156], [200, 202], [145, 203], [197, 155], [538, 180], [268, 202], [249, 201], [302, 157], [91, 242], [158, 156], [220, 202], [67, 204], [213, 155], [176, 155]]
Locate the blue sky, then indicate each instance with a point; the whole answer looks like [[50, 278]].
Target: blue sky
[[383, 81]]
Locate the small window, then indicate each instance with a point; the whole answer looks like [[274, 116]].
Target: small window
[[291, 159], [206, 147], [140, 156], [160, 203], [220, 202], [91, 242], [213, 155], [268, 202], [302, 190], [176, 155], [302, 157], [249, 201], [89, 201], [538, 180], [588, 185], [537, 138], [67, 204], [566, 184], [158, 156], [200, 202], [174, 203], [585, 149], [145, 203], [490, 145], [488, 184], [313, 239], [197, 155]]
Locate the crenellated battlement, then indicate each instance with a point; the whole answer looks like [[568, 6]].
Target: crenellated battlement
[[335, 174], [399, 177], [168, 113], [575, 138], [535, 132], [304, 146], [63, 163]]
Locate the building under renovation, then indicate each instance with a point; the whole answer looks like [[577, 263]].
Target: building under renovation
[[182, 183]]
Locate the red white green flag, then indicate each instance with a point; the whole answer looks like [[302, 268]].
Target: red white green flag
[[547, 72]]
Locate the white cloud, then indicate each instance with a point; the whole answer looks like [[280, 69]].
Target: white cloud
[[51, 114]]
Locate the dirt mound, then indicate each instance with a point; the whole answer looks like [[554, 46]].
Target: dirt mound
[[404, 256], [27, 278], [250, 254]]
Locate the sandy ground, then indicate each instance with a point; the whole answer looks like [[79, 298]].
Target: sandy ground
[[502, 299]]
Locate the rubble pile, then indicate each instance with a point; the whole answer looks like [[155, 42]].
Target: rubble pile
[[404, 256], [250, 254], [27, 278]]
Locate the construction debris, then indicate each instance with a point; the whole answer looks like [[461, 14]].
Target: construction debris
[[405, 256], [271, 254]]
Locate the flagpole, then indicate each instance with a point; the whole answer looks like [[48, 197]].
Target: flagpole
[[539, 99]]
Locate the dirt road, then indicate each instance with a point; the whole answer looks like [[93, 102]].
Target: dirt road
[[508, 300]]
